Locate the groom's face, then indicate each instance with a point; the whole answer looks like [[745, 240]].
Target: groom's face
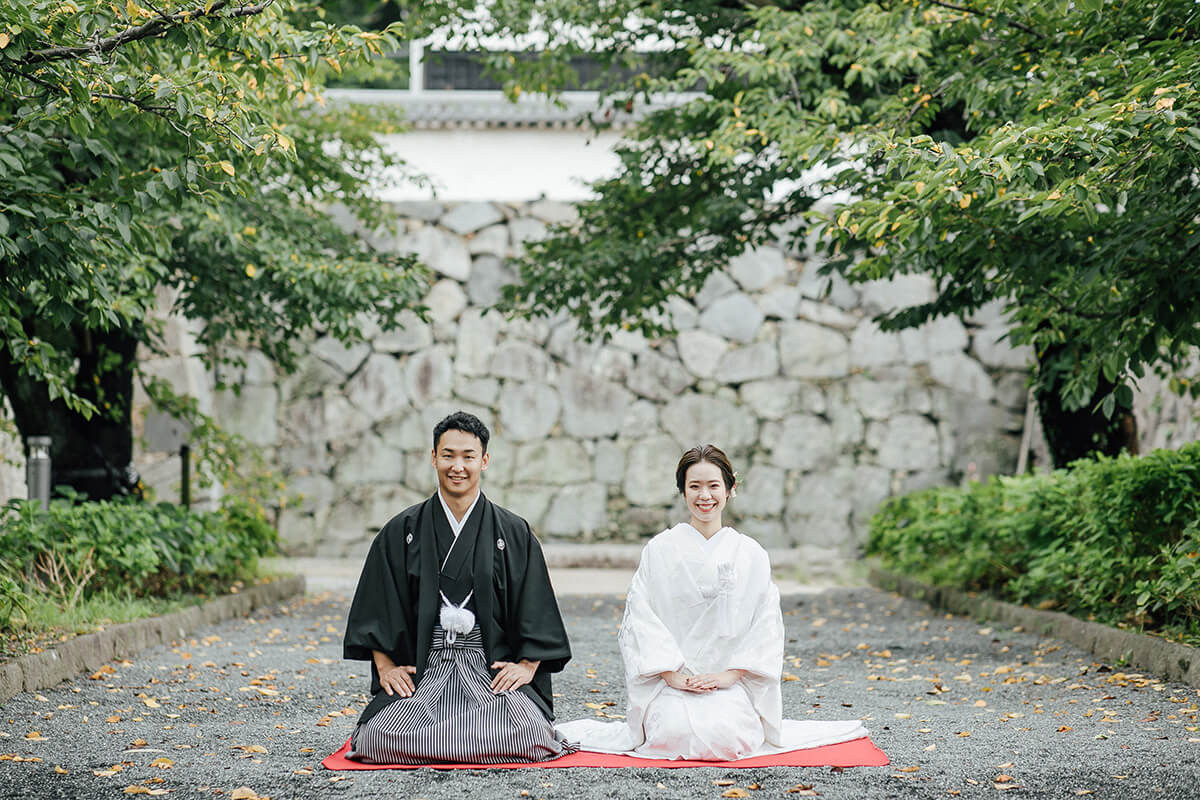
[[459, 461]]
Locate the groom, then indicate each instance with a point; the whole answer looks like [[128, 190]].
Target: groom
[[488, 698]]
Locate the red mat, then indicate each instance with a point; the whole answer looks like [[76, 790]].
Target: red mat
[[856, 753]]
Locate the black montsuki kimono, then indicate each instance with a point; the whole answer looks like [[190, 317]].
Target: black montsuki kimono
[[397, 600]]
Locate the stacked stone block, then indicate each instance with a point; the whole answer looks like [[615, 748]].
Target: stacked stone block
[[824, 414]]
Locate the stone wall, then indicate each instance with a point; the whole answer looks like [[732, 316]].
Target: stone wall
[[12, 456], [822, 413]]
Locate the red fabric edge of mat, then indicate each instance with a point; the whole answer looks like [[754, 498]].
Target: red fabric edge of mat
[[855, 753]]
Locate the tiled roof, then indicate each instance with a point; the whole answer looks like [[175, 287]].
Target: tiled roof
[[484, 109]]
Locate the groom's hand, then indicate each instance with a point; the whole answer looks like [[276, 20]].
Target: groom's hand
[[513, 675], [397, 680]]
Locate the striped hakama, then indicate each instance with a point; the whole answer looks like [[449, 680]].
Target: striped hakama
[[453, 716]]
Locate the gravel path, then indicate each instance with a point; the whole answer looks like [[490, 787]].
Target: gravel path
[[956, 705]]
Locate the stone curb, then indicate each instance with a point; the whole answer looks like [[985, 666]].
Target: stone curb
[[89, 652], [1170, 660]]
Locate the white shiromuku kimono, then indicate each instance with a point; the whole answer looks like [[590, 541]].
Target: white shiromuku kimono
[[698, 606]]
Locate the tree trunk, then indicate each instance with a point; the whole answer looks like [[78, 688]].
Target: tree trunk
[[1081, 433], [93, 456]]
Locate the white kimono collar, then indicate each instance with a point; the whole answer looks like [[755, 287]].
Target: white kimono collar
[[707, 539], [456, 526]]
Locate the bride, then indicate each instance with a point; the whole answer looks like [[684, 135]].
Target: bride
[[702, 641]]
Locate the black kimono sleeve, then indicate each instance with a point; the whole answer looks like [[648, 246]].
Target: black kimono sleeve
[[383, 613], [535, 626]]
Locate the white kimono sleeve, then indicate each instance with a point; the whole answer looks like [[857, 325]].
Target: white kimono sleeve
[[647, 650], [647, 646], [759, 650]]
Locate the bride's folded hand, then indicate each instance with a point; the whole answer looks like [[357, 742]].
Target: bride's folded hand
[[714, 680], [677, 680]]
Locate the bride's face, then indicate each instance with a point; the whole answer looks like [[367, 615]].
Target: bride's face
[[705, 492]]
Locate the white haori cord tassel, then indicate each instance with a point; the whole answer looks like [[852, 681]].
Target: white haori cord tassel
[[456, 619]]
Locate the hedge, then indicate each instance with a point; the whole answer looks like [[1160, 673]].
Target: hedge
[[75, 550], [1112, 539]]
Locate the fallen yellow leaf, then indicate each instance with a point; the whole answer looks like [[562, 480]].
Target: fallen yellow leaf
[[162, 763], [736, 791], [244, 793]]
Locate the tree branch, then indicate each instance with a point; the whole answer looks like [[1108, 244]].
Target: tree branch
[[1011, 23], [152, 28]]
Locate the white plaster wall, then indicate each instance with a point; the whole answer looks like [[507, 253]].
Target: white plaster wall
[[502, 165]]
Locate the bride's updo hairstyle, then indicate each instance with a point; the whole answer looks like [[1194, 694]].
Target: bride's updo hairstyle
[[713, 455]]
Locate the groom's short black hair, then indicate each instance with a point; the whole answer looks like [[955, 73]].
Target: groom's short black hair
[[462, 421]]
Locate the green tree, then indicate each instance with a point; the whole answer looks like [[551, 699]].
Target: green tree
[[177, 150], [1040, 152]]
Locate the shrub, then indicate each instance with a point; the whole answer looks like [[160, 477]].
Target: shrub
[[11, 599], [77, 550], [1115, 538]]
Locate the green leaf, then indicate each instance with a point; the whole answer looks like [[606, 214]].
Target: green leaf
[[1108, 404]]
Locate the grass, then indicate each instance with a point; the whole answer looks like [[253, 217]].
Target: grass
[[44, 623]]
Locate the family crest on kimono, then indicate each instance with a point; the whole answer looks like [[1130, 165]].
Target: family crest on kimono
[[455, 611], [702, 641]]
